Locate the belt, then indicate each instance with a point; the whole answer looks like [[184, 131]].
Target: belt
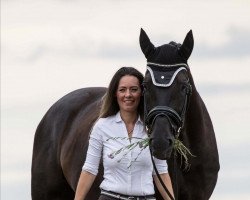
[[126, 197]]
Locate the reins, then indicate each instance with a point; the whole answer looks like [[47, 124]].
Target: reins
[[159, 177], [169, 113]]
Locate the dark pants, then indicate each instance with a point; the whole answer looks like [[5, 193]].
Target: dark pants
[[104, 197]]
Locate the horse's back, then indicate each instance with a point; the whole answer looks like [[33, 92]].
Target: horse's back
[[61, 142]]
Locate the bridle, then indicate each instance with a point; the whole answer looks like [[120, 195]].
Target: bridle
[[174, 118], [166, 111]]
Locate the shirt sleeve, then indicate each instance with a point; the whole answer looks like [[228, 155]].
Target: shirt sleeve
[[161, 166], [94, 152]]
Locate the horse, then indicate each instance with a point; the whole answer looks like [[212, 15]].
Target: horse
[[175, 110], [171, 112]]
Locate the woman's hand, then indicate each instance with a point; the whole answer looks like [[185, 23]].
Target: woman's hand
[[167, 181]]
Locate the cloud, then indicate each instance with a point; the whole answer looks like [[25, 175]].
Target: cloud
[[222, 89], [83, 49], [234, 168], [237, 46]]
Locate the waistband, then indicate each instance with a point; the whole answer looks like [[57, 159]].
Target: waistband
[[127, 197]]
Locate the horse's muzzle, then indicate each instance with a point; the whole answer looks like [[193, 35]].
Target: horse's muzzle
[[161, 150]]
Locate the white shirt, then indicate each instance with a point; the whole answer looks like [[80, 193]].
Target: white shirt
[[122, 173]]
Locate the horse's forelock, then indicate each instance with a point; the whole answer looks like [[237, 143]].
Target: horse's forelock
[[167, 54]]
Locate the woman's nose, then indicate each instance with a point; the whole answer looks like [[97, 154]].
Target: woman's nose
[[128, 93]]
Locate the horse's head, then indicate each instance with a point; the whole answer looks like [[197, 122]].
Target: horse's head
[[166, 91]]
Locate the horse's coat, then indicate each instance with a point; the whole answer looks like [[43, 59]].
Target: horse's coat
[[61, 139], [61, 143]]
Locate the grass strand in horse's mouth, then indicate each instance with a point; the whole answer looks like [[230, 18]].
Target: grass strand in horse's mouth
[[185, 153], [179, 148]]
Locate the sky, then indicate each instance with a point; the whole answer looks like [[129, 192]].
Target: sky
[[52, 47]]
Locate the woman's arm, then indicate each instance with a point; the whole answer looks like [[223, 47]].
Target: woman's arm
[[84, 184], [91, 164], [167, 181]]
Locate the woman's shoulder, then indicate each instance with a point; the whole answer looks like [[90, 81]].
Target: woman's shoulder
[[103, 121]]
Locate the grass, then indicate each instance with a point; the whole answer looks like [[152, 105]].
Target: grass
[[179, 148]]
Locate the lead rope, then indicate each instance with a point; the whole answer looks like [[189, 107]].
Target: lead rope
[[175, 176], [158, 175]]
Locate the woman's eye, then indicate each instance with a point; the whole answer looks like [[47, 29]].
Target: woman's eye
[[134, 89], [122, 90]]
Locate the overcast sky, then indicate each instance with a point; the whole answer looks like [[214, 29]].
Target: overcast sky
[[52, 47]]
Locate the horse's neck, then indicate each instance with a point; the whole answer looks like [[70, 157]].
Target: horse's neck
[[198, 122]]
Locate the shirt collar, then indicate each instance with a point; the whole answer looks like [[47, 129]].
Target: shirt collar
[[119, 119]]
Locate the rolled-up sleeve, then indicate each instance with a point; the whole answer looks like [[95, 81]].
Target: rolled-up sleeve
[[94, 151], [161, 166]]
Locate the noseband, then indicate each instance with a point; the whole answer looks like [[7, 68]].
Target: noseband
[[164, 111]]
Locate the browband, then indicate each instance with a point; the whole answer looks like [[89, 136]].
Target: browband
[[160, 77]]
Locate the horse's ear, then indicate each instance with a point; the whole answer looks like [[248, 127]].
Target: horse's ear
[[187, 45], [146, 46]]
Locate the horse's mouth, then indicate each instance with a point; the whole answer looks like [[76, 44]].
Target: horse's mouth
[[162, 155]]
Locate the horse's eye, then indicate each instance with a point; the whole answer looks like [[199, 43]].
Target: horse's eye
[[184, 88]]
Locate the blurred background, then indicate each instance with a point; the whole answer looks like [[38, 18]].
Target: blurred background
[[52, 47]]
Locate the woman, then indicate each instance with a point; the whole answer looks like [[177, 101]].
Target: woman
[[129, 172]]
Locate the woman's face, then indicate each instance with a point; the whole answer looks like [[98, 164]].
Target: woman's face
[[128, 93]]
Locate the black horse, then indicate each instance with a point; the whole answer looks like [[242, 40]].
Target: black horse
[[171, 112], [174, 109]]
